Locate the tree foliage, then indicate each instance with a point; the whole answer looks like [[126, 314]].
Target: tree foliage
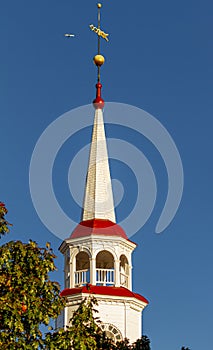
[[28, 298], [83, 334], [3, 223]]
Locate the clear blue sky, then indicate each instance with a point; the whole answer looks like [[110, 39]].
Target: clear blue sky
[[159, 59]]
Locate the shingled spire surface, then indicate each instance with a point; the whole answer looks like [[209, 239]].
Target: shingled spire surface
[[98, 198]]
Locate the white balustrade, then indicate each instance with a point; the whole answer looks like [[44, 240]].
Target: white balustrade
[[105, 277], [123, 279], [81, 277], [67, 281]]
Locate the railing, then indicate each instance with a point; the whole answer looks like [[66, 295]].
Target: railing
[[81, 277], [67, 281], [105, 277], [123, 279]]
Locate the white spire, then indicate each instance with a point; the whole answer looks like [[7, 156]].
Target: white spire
[[98, 197]]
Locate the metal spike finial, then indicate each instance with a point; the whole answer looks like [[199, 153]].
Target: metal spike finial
[[99, 59], [99, 26]]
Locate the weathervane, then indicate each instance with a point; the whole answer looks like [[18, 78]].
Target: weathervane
[[99, 59], [98, 30]]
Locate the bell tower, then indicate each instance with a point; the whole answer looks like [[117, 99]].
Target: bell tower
[[98, 253]]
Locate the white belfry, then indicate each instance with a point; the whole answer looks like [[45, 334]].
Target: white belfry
[[98, 198]]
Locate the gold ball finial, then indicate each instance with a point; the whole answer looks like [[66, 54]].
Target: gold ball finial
[[99, 5], [99, 60]]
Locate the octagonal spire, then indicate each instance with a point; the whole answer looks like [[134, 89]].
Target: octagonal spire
[[98, 197]]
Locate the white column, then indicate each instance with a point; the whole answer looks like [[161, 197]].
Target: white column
[[65, 270], [117, 273], [93, 271], [130, 278], [72, 270]]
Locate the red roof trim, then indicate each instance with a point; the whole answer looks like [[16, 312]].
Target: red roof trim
[[98, 227], [103, 290]]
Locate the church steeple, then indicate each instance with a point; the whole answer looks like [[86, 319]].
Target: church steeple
[[98, 254]]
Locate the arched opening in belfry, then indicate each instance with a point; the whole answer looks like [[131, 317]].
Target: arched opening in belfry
[[82, 273], [105, 274], [124, 271]]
